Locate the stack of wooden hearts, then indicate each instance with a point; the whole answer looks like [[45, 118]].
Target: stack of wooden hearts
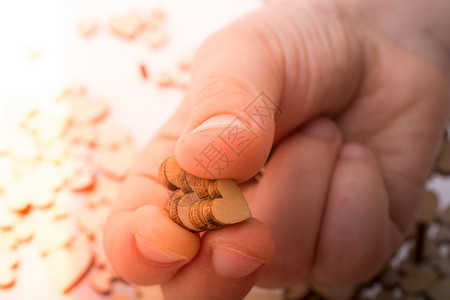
[[200, 204]]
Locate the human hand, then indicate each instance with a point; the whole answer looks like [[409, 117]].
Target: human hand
[[354, 124]]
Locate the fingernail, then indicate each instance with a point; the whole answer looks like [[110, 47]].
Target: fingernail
[[233, 263], [321, 128], [218, 121], [156, 253], [353, 151]]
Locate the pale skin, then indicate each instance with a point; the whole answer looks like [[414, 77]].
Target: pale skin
[[363, 87]]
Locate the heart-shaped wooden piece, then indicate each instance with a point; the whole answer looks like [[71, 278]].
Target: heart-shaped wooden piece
[[231, 208], [183, 210], [91, 220], [127, 26], [116, 162], [67, 266], [87, 110]]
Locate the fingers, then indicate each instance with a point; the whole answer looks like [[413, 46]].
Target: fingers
[[291, 195], [226, 266], [255, 81], [143, 245], [357, 235]]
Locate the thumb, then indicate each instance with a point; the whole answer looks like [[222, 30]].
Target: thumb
[[256, 81]]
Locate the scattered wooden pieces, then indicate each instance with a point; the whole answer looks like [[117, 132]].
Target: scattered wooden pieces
[[427, 210], [8, 240], [445, 216], [127, 26], [7, 277], [144, 72], [440, 290], [67, 266], [335, 292], [165, 79], [87, 27], [91, 220], [155, 37], [185, 62], [87, 111], [296, 291], [9, 260], [258, 293], [443, 162], [82, 179], [7, 218], [104, 191], [109, 135], [153, 292], [101, 280], [116, 162], [47, 169], [51, 236]]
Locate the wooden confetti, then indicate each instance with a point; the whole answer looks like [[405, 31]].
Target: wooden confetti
[[87, 111], [67, 266], [258, 293], [104, 191], [82, 179], [116, 162], [7, 218], [127, 26], [165, 79], [51, 236], [91, 220], [144, 72], [440, 290], [296, 291], [445, 216], [82, 134], [46, 171], [109, 135], [9, 259], [427, 210], [155, 37], [335, 292], [418, 279], [443, 162], [87, 27], [185, 62], [8, 240], [7, 277], [101, 280], [153, 292]]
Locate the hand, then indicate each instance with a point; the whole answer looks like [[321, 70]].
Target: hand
[[356, 114]]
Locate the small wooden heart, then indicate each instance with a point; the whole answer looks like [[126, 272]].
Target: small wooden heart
[[231, 208]]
